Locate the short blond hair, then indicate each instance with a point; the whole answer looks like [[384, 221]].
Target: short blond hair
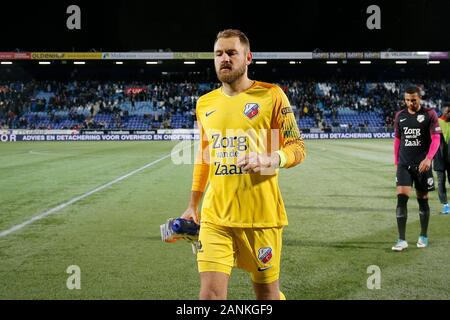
[[231, 33]]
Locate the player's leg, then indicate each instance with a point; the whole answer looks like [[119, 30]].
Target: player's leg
[[402, 210], [424, 184], [446, 209], [404, 183], [215, 260], [267, 291], [424, 215], [442, 190], [424, 211], [213, 285], [402, 217]]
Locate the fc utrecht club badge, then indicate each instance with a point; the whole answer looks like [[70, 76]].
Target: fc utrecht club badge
[[265, 254], [420, 118], [251, 110]]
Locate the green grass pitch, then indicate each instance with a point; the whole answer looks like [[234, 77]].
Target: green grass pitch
[[340, 202]]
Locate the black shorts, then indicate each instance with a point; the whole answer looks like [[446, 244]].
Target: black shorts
[[406, 175]]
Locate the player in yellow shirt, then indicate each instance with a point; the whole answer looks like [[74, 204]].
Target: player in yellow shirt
[[247, 131]]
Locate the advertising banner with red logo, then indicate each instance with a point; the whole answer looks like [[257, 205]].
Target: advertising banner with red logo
[[135, 90], [15, 55]]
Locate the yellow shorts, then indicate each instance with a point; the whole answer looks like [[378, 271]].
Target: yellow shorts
[[256, 250]]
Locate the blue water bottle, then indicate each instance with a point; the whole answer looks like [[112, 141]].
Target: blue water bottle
[[183, 226]]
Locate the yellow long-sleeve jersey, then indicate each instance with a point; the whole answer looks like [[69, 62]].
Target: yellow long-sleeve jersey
[[260, 120]]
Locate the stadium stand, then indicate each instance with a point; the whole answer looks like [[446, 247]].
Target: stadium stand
[[341, 105]]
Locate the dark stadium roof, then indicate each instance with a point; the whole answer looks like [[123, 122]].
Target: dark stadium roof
[[289, 25]]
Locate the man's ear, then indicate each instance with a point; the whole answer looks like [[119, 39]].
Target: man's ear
[[249, 57]]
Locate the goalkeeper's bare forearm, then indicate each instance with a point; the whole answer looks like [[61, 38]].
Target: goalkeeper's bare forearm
[[199, 182]]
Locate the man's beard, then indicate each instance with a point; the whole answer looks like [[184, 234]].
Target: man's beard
[[414, 107], [231, 76]]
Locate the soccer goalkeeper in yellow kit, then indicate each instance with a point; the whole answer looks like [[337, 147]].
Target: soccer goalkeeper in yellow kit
[[247, 132]]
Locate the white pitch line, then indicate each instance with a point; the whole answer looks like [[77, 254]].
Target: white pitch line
[[76, 199], [46, 153]]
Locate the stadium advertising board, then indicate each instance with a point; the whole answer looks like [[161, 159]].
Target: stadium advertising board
[[372, 55], [96, 137], [15, 55], [177, 131], [320, 55], [283, 55], [355, 55], [137, 55], [439, 55], [209, 55], [37, 131], [127, 136], [355, 135], [135, 90], [404, 55], [66, 55], [337, 55], [193, 55]]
